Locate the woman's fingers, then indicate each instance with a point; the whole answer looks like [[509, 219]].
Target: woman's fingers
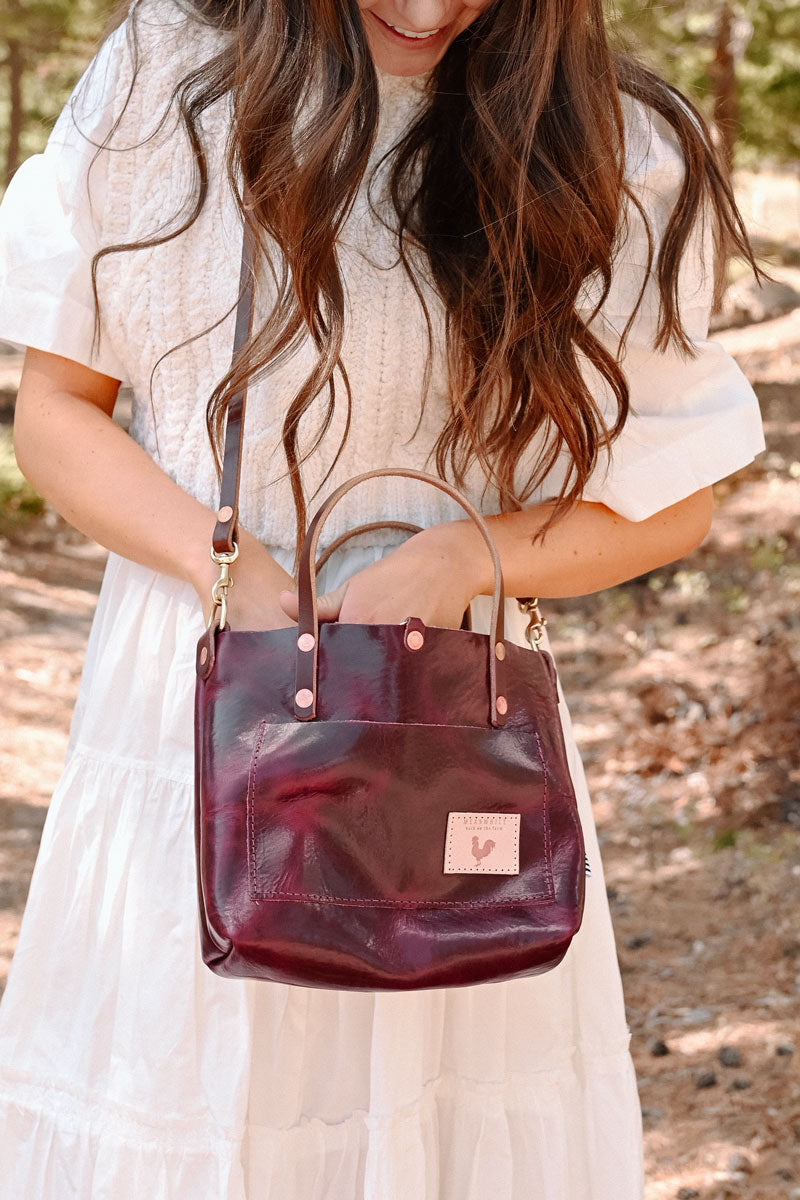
[[328, 606]]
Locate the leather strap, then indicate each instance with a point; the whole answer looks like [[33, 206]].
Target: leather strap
[[228, 515], [403, 526], [308, 620]]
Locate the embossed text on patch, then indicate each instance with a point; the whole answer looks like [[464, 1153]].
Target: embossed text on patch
[[482, 844]]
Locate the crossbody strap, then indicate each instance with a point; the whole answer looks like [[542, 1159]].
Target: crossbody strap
[[228, 514]]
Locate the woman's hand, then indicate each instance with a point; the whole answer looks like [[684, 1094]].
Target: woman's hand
[[424, 577], [106, 485], [438, 572], [253, 601]]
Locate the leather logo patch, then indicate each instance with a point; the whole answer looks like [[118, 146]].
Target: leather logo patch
[[482, 844]]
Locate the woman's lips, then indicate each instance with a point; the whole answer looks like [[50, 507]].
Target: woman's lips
[[399, 39]]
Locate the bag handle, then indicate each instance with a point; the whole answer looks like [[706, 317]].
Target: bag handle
[[403, 526], [306, 673]]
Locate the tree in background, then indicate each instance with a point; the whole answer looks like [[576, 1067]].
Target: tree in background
[[725, 110], [739, 59], [44, 46]]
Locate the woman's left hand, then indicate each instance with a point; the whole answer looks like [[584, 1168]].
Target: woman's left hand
[[426, 577]]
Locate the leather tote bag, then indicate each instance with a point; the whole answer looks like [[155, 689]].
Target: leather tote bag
[[378, 807]]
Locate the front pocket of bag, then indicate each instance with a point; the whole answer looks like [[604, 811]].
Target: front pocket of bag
[[356, 813]]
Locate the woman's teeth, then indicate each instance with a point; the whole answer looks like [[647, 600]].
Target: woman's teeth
[[407, 32]]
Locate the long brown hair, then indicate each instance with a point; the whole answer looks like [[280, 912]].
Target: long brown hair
[[513, 210]]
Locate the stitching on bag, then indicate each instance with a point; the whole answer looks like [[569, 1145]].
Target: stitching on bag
[[545, 897], [574, 810], [251, 824], [548, 854], [416, 724], [374, 902], [575, 817], [404, 724]]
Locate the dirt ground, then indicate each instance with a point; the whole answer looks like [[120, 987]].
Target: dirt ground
[[684, 687]]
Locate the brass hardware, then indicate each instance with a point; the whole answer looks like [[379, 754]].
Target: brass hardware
[[219, 592], [500, 651], [415, 640], [536, 622], [306, 642], [502, 705], [225, 513], [304, 698]]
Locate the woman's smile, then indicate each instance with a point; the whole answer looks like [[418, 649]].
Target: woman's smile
[[424, 41], [413, 39], [407, 34]]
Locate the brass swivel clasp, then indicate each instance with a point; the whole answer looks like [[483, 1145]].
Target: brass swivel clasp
[[219, 591], [536, 622]]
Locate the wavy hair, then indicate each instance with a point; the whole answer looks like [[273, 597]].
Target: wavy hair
[[511, 212]]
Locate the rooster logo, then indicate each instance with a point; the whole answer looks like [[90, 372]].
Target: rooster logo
[[480, 851]]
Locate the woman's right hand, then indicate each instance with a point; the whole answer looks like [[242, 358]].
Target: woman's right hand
[[106, 485], [257, 583]]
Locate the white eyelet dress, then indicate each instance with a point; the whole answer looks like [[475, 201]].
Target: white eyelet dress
[[128, 1071]]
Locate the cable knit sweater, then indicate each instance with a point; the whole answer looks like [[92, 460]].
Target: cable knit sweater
[[695, 420]]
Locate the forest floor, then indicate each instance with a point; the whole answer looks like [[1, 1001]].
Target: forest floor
[[684, 687]]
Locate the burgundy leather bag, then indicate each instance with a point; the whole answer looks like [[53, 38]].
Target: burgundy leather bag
[[377, 806]]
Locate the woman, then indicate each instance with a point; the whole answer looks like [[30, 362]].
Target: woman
[[460, 304]]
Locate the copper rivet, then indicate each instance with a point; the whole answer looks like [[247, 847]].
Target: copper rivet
[[204, 656], [415, 640], [305, 642], [225, 513], [500, 651], [502, 705], [304, 698]]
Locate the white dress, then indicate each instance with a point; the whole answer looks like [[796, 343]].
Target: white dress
[[127, 1069]]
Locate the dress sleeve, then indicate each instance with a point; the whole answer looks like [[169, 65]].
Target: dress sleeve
[[51, 225], [693, 419]]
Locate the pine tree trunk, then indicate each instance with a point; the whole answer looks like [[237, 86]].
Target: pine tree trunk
[[726, 120], [16, 67], [726, 99]]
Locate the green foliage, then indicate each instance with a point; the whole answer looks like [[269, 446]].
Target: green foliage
[[767, 553], [735, 599], [676, 38], [770, 80], [18, 500]]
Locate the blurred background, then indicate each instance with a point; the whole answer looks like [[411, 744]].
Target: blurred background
[[684, 684]]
